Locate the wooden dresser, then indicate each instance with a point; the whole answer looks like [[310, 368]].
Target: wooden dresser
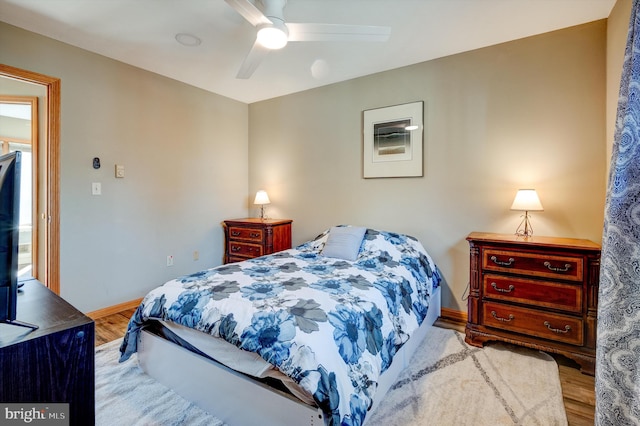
[[539, 292], [249, 238]]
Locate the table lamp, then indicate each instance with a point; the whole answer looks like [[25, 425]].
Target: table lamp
[[526, 200], [261, 199]]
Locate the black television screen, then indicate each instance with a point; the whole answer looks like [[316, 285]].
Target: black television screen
[[9, 223]]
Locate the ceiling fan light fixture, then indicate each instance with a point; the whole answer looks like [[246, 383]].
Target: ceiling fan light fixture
[[273, 37]]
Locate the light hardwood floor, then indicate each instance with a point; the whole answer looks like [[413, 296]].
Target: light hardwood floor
[[578, 389], [112, 327]]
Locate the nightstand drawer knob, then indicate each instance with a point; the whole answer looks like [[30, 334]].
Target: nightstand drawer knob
[[254, 234], [236, 248], [501, 263], [566, 268], [503, 290], [567, 328], [493, 314], [235, 233]]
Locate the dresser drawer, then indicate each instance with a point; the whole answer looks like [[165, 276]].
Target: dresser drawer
[[233, 259], [561, 296], [246, 234], [531, 263], [245, 249], [533, 322]]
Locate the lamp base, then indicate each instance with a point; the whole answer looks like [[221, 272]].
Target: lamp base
[[525, 229]]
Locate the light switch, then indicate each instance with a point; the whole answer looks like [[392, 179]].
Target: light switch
[[119, 171], [96, 188]]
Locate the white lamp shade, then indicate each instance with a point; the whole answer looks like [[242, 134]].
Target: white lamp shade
[[527, 200], [261, 198]]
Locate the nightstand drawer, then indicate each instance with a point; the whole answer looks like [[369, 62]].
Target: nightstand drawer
[[555, 295], [233, 259], [532, 322], [531, 263], [244, 249], [245, 234]]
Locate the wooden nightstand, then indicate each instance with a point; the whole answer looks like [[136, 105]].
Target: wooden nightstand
[[249, 238], [539, 292]]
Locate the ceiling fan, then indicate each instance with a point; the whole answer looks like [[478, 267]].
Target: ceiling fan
[[273, 33]]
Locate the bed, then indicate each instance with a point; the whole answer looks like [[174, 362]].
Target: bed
[[312, 335]]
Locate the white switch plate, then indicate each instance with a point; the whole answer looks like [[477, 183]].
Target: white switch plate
[[169, 260], [119, 171], [96, 188]]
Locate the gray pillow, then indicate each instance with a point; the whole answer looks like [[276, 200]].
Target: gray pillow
[[344, 242]]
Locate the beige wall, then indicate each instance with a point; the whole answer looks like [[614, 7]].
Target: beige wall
[[185, 157], [529, 113], [15, 128], [617, 29]]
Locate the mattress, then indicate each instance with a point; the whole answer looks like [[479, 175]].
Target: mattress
[[246, 362]]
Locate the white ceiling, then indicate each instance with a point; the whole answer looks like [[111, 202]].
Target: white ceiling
[[11, 110], [142, 33]]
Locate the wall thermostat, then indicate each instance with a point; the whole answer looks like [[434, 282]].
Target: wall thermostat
[[96, 163]]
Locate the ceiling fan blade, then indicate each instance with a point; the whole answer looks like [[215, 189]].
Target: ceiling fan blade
[[249, 12], [252, 60], [337, 32]]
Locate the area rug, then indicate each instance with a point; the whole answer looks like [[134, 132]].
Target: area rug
[[448, 383], [125, 395]]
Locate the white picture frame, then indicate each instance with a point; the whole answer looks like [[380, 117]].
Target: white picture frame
[[393, 141]]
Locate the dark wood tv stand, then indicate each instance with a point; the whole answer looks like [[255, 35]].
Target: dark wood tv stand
[[53, 364]]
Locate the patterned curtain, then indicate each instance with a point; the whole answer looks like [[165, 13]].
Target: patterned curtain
[[618, 343]]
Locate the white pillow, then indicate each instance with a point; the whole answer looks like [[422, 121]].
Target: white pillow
[[344, 242]]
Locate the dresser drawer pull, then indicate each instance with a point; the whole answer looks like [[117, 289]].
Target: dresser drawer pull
[[566, 268], [235, 233], [501, 263], [254, 234], [567, 328], [503, 290], [236, 248], [493, 314]]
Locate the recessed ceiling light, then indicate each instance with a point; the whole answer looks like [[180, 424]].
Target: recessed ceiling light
[[188, 40]]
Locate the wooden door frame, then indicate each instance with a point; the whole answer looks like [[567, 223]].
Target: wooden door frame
[[52, 182]]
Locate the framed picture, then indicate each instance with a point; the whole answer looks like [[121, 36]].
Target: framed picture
[[392, 138]]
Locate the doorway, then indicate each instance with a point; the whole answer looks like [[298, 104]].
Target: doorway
[[19, 132], [46, 211]]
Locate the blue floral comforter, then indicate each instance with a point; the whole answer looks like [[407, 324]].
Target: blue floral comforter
[[332, 325]]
